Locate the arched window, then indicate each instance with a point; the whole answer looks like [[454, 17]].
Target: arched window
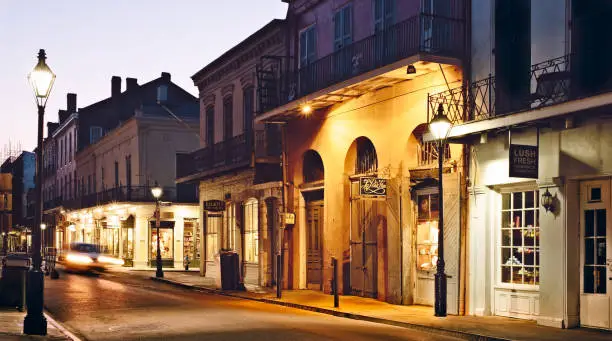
[[312, 169], [366, 161], [251, 231]]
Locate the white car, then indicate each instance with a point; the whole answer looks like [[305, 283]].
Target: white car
[[85, 257]]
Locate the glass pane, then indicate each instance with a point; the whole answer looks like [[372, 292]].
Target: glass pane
[[528, 256], [529, 236], [600, 280], [537, 199], [506, 221], [434, 206], [517, 237], [529, 218], [600, 256], [506, 201], [589, 254], [529, 200], [537, 217], [588, 280], [536, 276], [595, 194], [505, 274], [601, 223], [517, 200], [506, 237], [517, 274], [536, 255], [517, 218], [589, 220], [505, 256]]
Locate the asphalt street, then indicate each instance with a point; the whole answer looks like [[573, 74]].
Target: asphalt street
[[120, 307]]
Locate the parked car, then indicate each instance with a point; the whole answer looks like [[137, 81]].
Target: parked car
[[86, 257]]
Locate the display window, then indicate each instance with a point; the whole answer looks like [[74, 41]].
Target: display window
[[251, 231], [213, 225], [166, 242], [427, 231], [191, 241], [519, 246]]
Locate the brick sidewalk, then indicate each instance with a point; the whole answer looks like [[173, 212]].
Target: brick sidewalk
[[11, 328], [415, 317]]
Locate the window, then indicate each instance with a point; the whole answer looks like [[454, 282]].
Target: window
[[212, 241], [520, 238], [594, 272], [128, 170], [70, 147], [75, 188], [61, 158], [166, 241], [102, 186], [427, 230], [251, 231], [116, 174], [343, 27], [384, 14], [89, 184], [248, 108], [210, 126], [95, 133], [308, 51], [95, 186], [367, 160], [68, 186], [233, 234], [228, 119], [162, 93]]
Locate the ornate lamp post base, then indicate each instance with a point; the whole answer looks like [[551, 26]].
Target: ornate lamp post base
[[35, 322], [440, 291]]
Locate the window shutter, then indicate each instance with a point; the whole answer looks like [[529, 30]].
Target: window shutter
[[378, 15], [311, 44], [303, 47], [348, 25], [338, 34], [389, 9]]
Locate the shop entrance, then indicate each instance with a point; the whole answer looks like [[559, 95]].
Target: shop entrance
[[595, 255], [314, 230], [366, 223]]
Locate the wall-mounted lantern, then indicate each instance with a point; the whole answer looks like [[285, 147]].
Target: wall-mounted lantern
[[547, 201]]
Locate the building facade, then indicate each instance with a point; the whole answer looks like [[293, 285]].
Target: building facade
[[354, 101], [238, 163], [537, 126]]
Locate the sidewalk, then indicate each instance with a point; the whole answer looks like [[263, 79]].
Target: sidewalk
[[414, 317], [11, 327]]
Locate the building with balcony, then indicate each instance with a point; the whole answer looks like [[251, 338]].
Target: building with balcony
[[352, 94], [536, 117], [238, 162], [8, 236]]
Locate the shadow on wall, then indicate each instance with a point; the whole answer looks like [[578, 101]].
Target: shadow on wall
[[570, 166]]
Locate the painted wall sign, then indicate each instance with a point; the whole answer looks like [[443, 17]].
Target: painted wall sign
[[214, 205], [523, 161], [372, 187]]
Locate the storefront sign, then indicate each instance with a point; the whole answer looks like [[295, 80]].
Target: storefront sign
[[214, 205], [289, 218], [523, 161], [372, 187]]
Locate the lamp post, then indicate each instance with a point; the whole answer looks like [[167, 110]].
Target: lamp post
[[157, 193], [43, 227], [439, 127], [35, 323]]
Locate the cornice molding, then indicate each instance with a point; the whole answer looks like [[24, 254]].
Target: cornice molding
[[227, 90], [208, 100]]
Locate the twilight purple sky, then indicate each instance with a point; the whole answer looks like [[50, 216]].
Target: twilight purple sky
[[88, 42]]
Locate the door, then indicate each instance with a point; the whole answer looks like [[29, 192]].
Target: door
[[596, 259], [314, 261], [365, 217]]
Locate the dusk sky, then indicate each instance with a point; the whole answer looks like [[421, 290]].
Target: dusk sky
[[88, 42]]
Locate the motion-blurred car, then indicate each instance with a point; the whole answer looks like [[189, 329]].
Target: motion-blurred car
[[86, 257]]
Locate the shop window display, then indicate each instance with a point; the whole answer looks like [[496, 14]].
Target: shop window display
[[427, 232], [251, 232], [166, 241], [520, 238]]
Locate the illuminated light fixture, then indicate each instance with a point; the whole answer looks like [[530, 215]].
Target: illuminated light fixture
[[72, 228], [98, 210], [440, 125], [306, 109], [547, 201], [43, 226], [410, 70], [156, 191], [41, 78]]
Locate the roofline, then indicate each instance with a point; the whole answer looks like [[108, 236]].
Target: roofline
[[239, 47]]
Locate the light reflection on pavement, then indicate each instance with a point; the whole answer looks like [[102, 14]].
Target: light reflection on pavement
[[127, 308]]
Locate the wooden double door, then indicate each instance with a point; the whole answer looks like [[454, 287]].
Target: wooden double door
[[314, 244]]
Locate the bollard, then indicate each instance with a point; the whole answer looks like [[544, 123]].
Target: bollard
[[335, 282], [279, 277], [22, 301]]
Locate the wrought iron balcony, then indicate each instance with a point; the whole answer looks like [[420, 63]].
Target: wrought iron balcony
[[127, 194], [548, 83], [53, 203], [421, 34]]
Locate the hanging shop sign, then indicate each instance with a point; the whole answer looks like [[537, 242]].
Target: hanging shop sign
[[370, 186], [523, 161], [214, 205], [288, 218]]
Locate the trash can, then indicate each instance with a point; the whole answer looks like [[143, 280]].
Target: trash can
[[13, 283], [230, 270]]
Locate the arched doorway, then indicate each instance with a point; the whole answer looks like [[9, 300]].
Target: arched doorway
[[367, 224], [313, 174]]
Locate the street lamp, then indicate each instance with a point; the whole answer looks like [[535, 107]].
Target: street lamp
[[157, 193], [439, 127], [43, 227], [35, 323]]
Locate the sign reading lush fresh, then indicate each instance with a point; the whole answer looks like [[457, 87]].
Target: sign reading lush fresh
[[523, 161], [214, 205], [372, 187]]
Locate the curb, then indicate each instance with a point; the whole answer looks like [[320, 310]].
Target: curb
[[407, 325], [63, 329]]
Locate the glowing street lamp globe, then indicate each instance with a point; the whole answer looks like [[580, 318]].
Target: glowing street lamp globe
[[41, 78], [156, 191], [440, 125]]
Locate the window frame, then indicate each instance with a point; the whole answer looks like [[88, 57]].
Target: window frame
[[228, 117], [340, 14], [251, 229], [309, 54], [497, 228]]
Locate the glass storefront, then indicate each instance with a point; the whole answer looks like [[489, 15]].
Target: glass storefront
[[166, 243], [127, 241], [251, 231], [427, 232], [191, 242], [213, 225]]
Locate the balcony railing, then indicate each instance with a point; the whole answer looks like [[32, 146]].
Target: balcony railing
[[128, 194], [49, 204], [548, 83], [424, 33], [234, 151]]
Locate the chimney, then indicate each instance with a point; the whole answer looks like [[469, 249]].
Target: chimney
[[63, 115], [115, 86], [71, 103], [165, 76], [131, 83]]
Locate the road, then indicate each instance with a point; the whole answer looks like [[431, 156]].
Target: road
[[129, 308]]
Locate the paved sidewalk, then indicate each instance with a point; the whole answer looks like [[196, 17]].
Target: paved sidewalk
[[11, 327], [414, 317]]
